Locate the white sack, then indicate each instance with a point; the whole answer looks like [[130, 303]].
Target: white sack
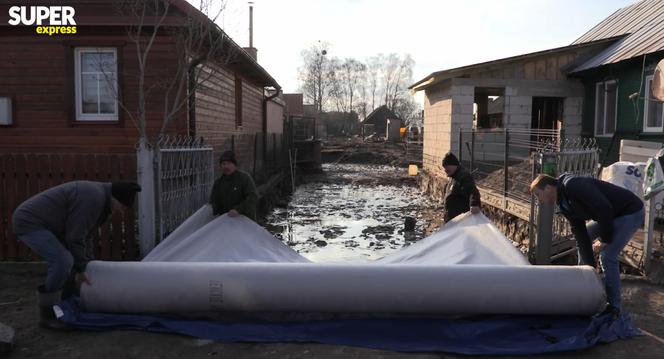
[[628, 175]]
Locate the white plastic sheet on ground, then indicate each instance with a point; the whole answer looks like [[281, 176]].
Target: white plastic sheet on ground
[[232, 264]]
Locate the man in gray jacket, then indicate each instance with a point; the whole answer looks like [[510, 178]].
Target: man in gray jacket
[[57, 223]]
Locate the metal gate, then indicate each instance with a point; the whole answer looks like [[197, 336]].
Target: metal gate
[[184, 175]]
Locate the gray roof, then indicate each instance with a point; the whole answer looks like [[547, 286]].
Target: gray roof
[[643, 25]]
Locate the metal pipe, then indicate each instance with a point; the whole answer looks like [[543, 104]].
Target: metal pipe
[[251, 24]]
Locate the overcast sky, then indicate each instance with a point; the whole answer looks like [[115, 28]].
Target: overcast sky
[[439, 34]]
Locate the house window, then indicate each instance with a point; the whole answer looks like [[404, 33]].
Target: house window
[[96, 84], [653, 114], [488, 108], [238, 102], [606, 107]]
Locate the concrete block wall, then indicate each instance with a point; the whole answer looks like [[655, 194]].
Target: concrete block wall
[[437, 126], [518, 110], [463, 97]]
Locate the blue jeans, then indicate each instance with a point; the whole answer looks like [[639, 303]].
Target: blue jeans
[[623, 230], [60, 261]]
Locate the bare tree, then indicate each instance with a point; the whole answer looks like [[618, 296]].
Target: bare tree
[[352, 86], [373, 73], [200, 47], [315, 74], [346, 78]]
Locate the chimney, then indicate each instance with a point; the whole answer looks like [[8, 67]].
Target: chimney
[[251, 50]]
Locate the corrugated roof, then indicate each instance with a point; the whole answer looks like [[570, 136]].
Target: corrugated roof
[[625, 21], [647, 40], [644, 24]]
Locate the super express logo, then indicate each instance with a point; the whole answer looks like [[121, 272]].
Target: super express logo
[[49, 20]]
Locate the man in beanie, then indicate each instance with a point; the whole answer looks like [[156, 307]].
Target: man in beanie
[[461, 194], [614, 214], [57, 223], [234, 192]]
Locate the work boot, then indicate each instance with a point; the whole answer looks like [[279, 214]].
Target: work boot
[[47, 318]]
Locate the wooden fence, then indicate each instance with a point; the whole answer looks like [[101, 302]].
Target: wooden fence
[[24, 175]]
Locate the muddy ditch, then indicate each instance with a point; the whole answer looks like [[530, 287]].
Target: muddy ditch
[[352, 212]]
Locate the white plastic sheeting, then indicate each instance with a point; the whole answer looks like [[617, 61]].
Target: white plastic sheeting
[[203, 238], [232, 264]]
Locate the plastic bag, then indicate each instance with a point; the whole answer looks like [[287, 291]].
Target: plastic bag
[[628, 175]]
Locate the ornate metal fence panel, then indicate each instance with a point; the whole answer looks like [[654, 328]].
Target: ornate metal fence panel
[[184, 175], [577, 156]]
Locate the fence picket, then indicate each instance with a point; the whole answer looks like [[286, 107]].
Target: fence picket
[[4, 230]]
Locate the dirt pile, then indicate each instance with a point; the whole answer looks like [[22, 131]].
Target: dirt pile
[[519, 177], [354, 150]]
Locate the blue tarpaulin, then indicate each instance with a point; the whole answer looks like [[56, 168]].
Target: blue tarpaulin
[[485, 335]]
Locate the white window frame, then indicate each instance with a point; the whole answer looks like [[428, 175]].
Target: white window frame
[[615, 117], [646, 106], [80, 116]]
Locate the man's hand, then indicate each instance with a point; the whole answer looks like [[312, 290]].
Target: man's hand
[[81, 278], [598, 246], [233, 213], [475, 210]]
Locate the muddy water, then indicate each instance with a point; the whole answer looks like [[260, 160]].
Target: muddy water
[[351, 212]]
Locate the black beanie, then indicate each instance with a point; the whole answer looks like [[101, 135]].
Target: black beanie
[[125, 192], [450, 160], [228, 156]]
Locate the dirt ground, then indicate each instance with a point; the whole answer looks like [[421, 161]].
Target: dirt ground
[[354, 150], [644, 301]]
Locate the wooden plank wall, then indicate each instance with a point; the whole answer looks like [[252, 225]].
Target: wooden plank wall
[[41, 86], [24, 175]]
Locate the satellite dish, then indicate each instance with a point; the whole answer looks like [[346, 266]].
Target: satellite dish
[[657, 87]]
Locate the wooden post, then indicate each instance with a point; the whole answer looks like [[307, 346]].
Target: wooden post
[[531, 218], [649, 235], [507, 164], [472, 151], [255, 154], [545, 215], [544, 233]]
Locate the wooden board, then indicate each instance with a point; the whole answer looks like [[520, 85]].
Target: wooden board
[[638, 151]]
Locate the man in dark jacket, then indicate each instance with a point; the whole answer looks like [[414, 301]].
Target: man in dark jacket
[[57, 223], [461, 194], [616, 214], [234, 192]]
